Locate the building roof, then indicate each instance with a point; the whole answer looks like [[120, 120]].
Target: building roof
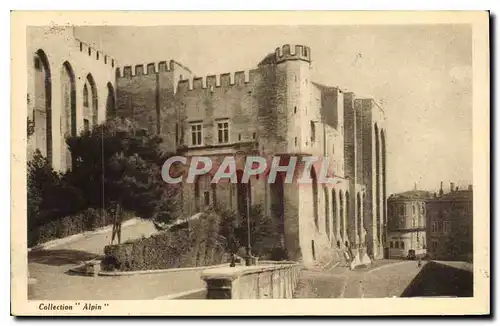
[[268, 59], [456, 195], [412, 194]]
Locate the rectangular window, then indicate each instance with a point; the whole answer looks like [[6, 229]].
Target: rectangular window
[[196, 134], [434, 245], [435, 227], [396, 243], [207, 198], [176, 133], [446, 227], [392, 244], [402, 245], [86, 125], [223, 132], [254, 135], [313, 132]]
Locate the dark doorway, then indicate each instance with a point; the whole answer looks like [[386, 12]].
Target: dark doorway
[[277, 203], [313, 250], [242, 192]]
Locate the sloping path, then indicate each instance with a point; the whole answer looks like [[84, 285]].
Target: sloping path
[[49, 267]]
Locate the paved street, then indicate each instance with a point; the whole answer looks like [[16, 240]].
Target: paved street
[[384, 279], [49, 268]]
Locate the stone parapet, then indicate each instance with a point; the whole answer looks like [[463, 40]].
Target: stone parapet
[[269, 280]]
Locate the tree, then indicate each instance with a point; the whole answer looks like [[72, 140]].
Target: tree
[[119, 166], [263, 230], [49, 195]]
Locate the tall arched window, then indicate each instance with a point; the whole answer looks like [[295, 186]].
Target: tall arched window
[[315, 197], [42, 103], [110, 102], [92, 99], [85, 96], [68, 116]]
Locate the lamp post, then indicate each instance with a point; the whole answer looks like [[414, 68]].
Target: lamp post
[[249, 247]]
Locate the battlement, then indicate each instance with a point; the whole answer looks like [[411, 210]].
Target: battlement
[[300, 52], [151, 69], [225, 80], [97, 54]]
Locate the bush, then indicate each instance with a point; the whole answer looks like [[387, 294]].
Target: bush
[[195, 243]]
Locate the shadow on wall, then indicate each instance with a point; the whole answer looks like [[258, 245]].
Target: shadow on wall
[[438, 279]]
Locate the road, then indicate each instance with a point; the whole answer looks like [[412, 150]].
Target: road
[[53, 282], [50, 269], [384, 279]]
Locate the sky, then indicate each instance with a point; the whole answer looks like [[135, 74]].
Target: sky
[[422, 75]]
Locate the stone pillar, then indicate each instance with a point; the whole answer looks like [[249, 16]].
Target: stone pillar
[[338, 235], [357, 211], [344, 217], [362, 236], [380, 204]]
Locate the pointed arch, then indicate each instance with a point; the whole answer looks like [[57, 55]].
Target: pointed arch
[[334, 213], [92, 100], [68, 111], [110, 101], [42, 108], [314, 181]]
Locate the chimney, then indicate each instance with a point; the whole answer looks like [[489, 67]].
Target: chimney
[[441, 189], [470, 187], [452, 186]]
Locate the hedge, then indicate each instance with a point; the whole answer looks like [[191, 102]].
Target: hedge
[[87, 220], [194, 243]]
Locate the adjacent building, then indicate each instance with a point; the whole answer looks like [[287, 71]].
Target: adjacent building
[[450, 224], [407, 227], [438, 225]]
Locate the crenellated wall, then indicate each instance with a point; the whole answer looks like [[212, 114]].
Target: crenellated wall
[[146, 94]]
